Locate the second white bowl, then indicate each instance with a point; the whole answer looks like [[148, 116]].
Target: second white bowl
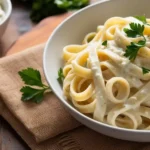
[[7, 7]]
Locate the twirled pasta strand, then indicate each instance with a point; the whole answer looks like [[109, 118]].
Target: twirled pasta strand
[[101, 81]]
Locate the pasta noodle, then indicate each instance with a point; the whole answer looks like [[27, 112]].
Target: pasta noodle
[[100, 80]]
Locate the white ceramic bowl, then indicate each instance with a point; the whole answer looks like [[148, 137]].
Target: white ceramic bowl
[[72, 31], [7, 7]]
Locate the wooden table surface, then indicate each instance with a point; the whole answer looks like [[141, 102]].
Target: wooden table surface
[[18, 25]]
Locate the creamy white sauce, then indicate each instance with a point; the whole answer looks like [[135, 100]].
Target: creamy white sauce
[[119, 85], [111, 45], [99, 84]]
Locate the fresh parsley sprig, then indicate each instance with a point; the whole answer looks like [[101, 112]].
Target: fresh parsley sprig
[[145, 70], [60, 76], [142, 19], [32, 77], [135, 30], [132, 49]]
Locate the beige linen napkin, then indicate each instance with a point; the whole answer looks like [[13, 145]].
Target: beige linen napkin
[[46, 126]]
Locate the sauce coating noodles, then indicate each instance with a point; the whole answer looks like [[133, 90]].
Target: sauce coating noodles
[[100, 80]]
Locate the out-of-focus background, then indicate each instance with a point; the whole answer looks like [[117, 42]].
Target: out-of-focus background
[[19, 24], [28, 13]]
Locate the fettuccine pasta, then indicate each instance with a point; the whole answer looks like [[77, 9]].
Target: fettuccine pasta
[[108, 77]]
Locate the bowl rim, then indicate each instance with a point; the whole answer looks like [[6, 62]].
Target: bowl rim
[[8, 11], [63, 99]]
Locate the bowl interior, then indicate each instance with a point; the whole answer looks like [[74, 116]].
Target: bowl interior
[[6, 5], [73, 30]]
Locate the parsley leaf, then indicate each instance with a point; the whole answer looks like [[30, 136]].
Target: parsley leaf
[[140, 44], [133, 48], [35, 95], [104, 43], [136, 30], [32, 77], [60, 76], [71, 4], [141, 18], [145, 70]]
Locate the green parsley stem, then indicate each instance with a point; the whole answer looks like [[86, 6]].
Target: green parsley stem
[[47, 90], [144, 38], [45, 86]]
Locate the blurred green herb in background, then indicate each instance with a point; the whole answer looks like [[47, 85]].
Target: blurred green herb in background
[[71, 4], [44, 8]]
